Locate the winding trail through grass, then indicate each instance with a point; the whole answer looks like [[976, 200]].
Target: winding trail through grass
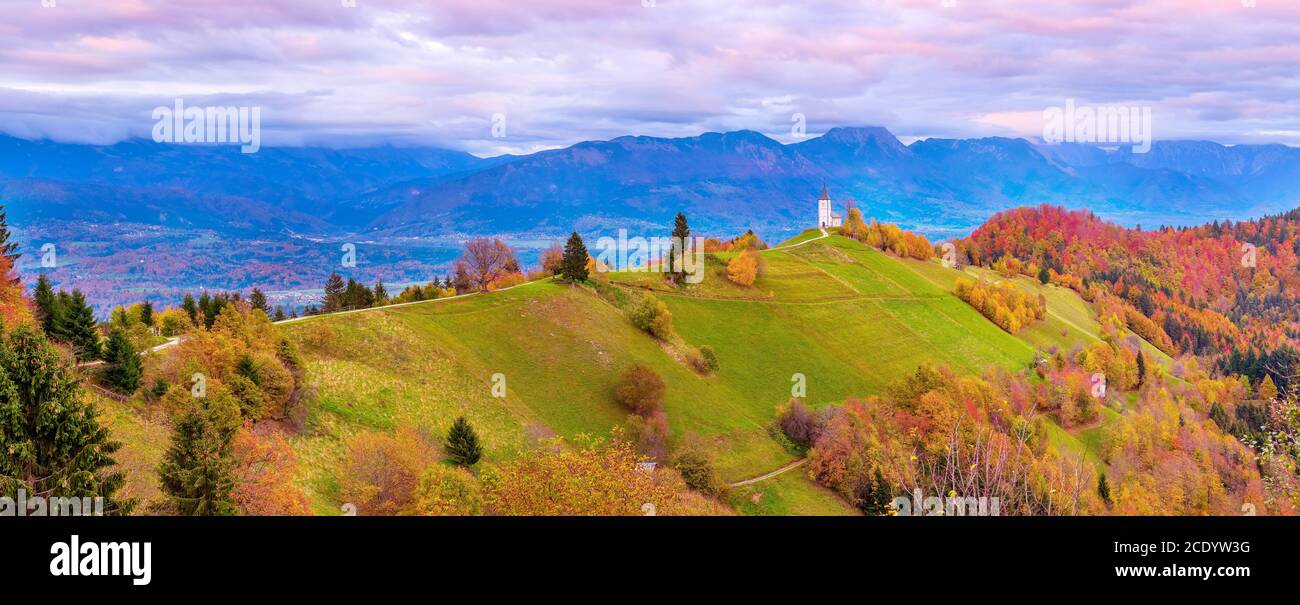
[[171, 342], [780, 471], [811, 239]]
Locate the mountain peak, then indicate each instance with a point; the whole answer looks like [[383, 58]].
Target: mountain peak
[[860, 134], [859, 141]]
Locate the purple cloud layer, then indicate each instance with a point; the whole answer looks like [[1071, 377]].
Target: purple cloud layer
[[560, 71]]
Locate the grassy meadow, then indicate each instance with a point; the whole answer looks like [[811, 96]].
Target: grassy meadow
[[849, 319]]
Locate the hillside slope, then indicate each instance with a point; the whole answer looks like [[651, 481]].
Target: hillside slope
[[849, 319]]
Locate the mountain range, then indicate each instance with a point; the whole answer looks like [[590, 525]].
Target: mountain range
[[724, 182]]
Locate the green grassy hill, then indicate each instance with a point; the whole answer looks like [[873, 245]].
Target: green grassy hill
[[850, 319]]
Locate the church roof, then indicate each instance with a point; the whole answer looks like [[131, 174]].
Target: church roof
[[825, 194]]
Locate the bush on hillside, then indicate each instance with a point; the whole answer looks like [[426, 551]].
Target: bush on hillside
[[800, 424], [241, 344], [552, 260], [704, 360], [640, 390], [448, 491], [381, 471], [252, 404], [887, 237], [506, 280], [160, 387], [652, 316], [696, 467], [649, 434]]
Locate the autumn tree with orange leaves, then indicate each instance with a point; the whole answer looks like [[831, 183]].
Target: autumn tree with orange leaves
[[264, 469], [600, 479], [381, 471], [14, 308], [743, 269]]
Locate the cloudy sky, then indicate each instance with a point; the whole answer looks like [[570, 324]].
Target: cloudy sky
[[436, 72]]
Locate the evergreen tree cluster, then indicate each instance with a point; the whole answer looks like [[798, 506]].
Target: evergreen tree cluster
[[51, 435], [1277, 366], [69, 319], [351, 295], [205, 310]]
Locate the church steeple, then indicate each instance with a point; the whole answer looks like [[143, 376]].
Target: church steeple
[[826, 216]]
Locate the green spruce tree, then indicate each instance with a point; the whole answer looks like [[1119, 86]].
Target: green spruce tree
[[462, 443], [573, 266], [197, 471], [146, 313], [258, 301], [8, 249], [191, 308], [124, 371], [1220, 417], [206, 316], [357, 296], [50, 434], [1103, 489], [213, 309], [75, 325], [334, 293], [47, 304], [681, 232]]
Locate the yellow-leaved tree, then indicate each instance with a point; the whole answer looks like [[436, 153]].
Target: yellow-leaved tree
[[743, 269]]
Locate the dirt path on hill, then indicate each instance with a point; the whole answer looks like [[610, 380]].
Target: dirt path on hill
[[171, 342], [789, 467], [824, 236]]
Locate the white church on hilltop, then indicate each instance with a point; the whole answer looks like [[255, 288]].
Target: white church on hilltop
[[825, 216]]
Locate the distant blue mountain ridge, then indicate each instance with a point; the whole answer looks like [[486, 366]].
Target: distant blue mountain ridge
[[725, 182]]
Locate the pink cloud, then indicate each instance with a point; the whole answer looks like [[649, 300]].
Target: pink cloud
[[566, 70]]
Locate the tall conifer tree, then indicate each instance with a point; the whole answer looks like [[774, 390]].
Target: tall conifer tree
[[51, 434], [124, 371], [573, 267]]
